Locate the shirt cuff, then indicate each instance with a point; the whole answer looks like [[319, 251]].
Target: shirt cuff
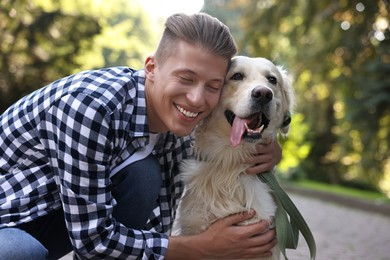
[[156, 245]]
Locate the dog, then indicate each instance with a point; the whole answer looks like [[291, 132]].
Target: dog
[[255, 104]]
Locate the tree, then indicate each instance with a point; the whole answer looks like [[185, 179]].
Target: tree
[[43, 40], [338, 53], [38, 46]]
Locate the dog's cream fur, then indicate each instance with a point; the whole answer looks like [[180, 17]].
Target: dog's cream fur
[[215, 184]]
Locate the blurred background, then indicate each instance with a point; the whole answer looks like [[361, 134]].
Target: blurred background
[[337, 52], [335, 165]]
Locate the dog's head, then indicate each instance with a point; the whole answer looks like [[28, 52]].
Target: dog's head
[[256, 101]]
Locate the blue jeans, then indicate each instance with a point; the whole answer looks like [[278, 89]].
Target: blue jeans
[[135, 188]]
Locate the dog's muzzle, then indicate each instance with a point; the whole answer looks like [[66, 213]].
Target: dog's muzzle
[[249, 128]]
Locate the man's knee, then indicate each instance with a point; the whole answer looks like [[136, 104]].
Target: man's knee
[[18, 245], [148, 168], [135, 189], [138, 177]]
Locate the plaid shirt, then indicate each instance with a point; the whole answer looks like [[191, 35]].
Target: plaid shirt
[[58, 146]]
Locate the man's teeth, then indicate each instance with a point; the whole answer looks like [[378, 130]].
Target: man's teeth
[[186, 113], [254, 131]]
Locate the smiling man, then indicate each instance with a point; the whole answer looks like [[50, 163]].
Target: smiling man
[[183, 89], [89, 163]]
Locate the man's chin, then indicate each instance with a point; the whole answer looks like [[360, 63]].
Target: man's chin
[[181, 132]]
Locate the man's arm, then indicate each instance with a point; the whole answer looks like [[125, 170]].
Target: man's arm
[[80, 145]]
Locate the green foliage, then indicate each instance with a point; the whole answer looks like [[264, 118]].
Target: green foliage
[[126, 38], [339, 55], [43, 40], [38, 46], [337, 52], [295, 146], [344, 191]]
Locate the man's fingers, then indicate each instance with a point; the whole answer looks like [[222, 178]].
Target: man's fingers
[[251, 230], [265, 159], [260, 250], [260, 228], [239, 217], [260, 168]]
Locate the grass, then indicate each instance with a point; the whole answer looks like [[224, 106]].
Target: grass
[[344, 191]]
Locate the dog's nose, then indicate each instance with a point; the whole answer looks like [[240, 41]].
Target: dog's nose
[[262, 95]]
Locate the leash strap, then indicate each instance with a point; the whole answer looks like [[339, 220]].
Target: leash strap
[[289, 221]]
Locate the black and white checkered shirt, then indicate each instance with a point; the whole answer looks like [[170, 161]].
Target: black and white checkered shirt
[[58, 146]]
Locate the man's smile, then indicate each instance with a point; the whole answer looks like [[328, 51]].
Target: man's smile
[[186, 112]]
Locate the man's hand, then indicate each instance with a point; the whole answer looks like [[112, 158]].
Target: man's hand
[[225, 239], [231, 241], [267, 157]]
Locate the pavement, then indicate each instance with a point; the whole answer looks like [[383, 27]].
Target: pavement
[[342, 232], [344, 228]]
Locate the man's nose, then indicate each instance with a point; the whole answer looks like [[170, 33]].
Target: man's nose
[[196, 96]]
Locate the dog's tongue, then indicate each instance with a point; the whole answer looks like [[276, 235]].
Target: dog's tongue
[[237, 131]]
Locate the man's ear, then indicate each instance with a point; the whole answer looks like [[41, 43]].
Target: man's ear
[[149, 67]]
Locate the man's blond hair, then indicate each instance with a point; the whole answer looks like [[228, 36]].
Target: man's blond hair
[[201, 30]]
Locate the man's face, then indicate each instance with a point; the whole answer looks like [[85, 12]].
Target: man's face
[[184, 89]]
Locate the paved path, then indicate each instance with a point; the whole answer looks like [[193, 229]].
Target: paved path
[[341, 233]]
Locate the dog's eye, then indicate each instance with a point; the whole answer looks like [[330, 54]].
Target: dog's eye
[[237, 76], [272, 80]]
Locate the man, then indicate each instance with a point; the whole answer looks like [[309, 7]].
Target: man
[[101, 148]]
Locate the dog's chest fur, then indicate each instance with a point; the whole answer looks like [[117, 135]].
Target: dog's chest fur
[[216, 185]]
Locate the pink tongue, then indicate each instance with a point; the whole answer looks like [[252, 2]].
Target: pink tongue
[[238, 130]]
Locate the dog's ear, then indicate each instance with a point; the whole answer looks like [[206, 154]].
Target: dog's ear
[[288, 100], [286, 123]]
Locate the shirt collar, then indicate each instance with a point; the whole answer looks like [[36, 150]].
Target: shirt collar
[[139, 126]]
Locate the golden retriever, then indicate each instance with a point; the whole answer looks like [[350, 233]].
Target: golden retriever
[[255, 104]]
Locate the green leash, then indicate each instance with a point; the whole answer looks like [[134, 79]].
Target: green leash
[[287, 229]]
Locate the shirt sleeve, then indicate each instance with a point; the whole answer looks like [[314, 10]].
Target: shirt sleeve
[[79, 139]]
